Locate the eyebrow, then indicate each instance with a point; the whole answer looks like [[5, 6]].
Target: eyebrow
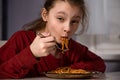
[[77, 17], [61, 12]]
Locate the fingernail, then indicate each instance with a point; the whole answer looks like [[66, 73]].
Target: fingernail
[[46, 34]]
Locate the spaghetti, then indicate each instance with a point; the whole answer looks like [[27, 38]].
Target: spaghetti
[[64, 42], [63, 70]]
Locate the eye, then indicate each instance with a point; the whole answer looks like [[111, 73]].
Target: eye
[[61, 19], [75, 22]]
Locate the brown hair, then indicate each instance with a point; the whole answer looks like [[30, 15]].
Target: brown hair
[[40, 24]]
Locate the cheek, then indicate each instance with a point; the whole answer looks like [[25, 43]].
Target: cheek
[[53, 24], [54, 28], [73, 29]]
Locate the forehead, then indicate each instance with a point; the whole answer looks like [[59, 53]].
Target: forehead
[[66, 7]]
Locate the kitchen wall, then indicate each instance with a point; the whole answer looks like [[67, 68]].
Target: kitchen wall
[[21, 12]]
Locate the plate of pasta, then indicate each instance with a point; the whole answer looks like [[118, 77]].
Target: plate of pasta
[[69, 73]]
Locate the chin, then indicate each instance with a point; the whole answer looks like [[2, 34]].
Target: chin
[[59, 42]]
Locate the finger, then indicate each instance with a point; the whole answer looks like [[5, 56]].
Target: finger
[[49, 50], [42, 35], [52, 50], [50, 44], [48, 39], [46, 34]]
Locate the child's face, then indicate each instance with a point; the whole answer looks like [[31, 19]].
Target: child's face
[[63, 20]]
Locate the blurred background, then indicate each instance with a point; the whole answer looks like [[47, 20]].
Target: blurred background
[[102, 36]]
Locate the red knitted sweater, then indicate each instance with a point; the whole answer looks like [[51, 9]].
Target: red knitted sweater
[[17, 61]]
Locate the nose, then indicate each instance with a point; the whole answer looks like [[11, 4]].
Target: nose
[[67, 28], [66, 31]]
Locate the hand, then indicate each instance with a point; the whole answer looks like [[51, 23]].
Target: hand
[[43, 46]]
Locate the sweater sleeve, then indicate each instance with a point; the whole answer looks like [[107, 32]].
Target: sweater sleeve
[[15, 62], [91, 62], [85, 59]]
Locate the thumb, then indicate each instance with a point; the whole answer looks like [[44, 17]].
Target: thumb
[[45, 34]]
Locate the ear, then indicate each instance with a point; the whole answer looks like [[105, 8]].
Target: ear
[[44, 14]]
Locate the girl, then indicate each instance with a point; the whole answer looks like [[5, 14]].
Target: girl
[[33, 50]]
